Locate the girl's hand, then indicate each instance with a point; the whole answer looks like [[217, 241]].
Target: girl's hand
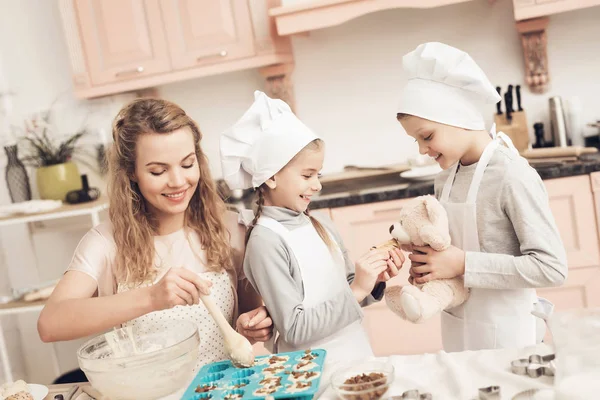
[[178, 287], [368, 269], [407, 247], [431, 264], [255, 325], [394, 264]]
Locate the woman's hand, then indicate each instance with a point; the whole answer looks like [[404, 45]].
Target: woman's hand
[[178, 287], [428, 264], [255, 325]]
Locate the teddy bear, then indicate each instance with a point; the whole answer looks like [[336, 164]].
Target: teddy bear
[[423, 221]]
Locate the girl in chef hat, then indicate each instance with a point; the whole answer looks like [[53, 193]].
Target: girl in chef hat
[[504, 238], [295, 261]]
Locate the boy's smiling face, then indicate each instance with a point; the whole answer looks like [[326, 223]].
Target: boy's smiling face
[[444, 143]]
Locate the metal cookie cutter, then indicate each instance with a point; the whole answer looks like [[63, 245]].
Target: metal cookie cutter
[[489, 393], [413, 395], [534, 366]]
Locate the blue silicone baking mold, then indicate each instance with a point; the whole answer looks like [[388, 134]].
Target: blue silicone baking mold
[[295, 375]]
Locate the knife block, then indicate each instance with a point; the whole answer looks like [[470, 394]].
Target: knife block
[[516, 129]]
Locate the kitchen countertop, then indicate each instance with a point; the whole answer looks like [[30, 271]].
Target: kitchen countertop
[[393, 187]]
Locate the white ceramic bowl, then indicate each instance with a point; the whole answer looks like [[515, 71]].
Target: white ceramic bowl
[[426, 173], [127, 364], [373, 390]]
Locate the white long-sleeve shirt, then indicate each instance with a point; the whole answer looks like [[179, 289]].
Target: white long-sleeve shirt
[[519, 241]]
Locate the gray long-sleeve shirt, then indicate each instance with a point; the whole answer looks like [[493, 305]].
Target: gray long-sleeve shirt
[[272, 269], [519, 240]]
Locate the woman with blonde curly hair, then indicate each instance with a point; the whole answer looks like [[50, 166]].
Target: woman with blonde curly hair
[[169, 240]]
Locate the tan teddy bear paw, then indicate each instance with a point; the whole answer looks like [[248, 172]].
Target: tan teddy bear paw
[[418, 305], [392, 299], [410, 300]]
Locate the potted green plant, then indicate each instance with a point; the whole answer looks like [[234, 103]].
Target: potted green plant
[[56, 173]]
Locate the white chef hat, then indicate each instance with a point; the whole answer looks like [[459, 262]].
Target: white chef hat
[[262, 142], [445, 85]]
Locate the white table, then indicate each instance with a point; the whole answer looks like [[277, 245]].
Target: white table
[[458, 376], [447, 376], [92, 209]]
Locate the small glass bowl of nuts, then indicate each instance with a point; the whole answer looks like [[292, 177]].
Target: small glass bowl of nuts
[[366, 381]]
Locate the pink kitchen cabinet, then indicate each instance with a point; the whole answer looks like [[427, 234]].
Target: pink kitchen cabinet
[[123, 40], [572, 202], [128, 46], [301, 16], [527, 9], [202, 32]]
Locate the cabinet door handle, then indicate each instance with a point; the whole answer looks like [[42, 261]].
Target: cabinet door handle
[[222, 53], [387, 210], [137, 70]]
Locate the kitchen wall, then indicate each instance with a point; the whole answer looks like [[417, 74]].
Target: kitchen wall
[[347, 78], [34, 66], [346, 84]]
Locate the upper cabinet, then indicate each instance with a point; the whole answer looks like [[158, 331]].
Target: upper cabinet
[[297, 16], [120, 46], [204, 32], [122, 40], [526, 9], [300, 16]]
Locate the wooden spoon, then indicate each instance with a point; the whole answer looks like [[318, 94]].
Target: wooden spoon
[[237, 346]]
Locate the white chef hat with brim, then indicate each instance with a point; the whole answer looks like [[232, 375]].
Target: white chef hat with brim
[[445, 85], [262, 142]]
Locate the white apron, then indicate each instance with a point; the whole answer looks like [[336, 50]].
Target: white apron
[[323, 275], [211, 348], [490, 318]]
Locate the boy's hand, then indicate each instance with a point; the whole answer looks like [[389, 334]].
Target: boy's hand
[[431, 264]]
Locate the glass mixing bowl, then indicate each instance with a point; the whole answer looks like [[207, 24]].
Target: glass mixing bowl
[[130, 364]]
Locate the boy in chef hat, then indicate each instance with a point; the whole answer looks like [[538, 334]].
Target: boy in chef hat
[[296, 262], [505, 241]]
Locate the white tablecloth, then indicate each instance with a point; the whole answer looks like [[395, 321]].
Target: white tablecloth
[[458, 376]]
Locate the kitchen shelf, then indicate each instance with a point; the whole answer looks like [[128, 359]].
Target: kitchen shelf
[[311, 15], [65, 211], [92, 209]]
